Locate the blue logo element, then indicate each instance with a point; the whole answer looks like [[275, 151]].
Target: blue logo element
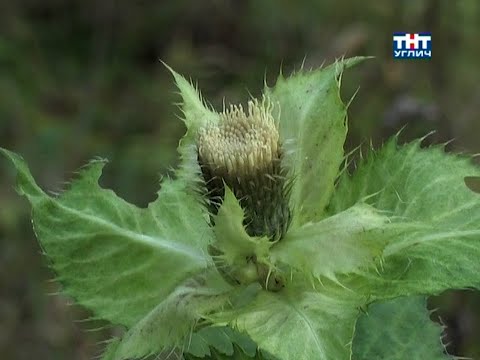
[[412, 45]]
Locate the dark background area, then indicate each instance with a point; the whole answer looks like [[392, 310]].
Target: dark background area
[[80, 79]]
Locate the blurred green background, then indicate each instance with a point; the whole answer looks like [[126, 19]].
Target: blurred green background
[[80, 79]]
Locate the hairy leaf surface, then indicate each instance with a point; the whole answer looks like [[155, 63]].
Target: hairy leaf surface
[[231, 238], [300, 324], [312, 124], [397, 330], [344, 243], [114, 258], [424, 188], [196, 114], [168, 327]]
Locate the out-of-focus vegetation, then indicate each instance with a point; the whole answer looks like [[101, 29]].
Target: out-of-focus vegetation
[[80, 79]]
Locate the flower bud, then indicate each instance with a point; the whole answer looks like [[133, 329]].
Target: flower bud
[[243, 151]]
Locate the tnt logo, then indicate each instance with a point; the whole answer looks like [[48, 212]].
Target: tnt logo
[[412, 46]]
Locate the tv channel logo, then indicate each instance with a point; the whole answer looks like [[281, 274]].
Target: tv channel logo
[[412, 45]]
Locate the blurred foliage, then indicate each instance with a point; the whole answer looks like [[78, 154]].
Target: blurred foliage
[[82, 78]]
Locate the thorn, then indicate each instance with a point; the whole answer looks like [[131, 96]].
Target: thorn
[[353, 97], [303, 62]]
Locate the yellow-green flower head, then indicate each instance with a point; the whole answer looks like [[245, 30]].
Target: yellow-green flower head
[[243, 143], [243, 151]]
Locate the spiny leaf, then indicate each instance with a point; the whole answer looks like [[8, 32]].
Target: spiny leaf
[[231, 238], [195, 115], [312, 125], [424, 187], [169, 325], [297, 324], [114, 258], [397, 330], [344, 243]]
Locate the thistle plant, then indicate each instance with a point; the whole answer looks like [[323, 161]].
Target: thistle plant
[[263, 244]]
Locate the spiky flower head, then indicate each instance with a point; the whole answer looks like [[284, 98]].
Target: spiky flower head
[[243, 144], [243, 151]]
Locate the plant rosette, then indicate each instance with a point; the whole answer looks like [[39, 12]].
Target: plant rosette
[[263, 244]]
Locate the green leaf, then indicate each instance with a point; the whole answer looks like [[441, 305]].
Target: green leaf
[[397, 330], [196, 114], [426, 189], [232, 239], [169, 325], [312, 124], [216, 337], [114, 258], [223, 339], [297, 324], [344, 243]]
